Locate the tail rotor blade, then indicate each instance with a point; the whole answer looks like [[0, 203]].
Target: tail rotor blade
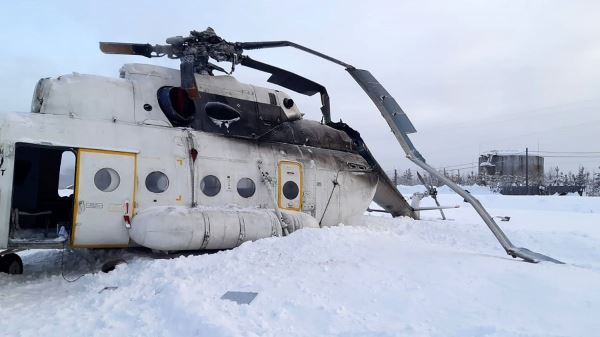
[[422, 181], [431, 192], [126, 48], [429, 187], [438, 203]]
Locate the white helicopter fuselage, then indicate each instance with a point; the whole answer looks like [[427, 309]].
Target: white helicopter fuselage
[[141, 181]]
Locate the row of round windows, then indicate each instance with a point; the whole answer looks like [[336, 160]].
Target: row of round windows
[[108, 180]]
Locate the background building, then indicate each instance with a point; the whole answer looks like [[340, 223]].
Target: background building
[[512, 168]]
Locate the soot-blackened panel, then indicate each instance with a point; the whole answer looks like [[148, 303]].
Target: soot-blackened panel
[[255, 118], [264, 122]]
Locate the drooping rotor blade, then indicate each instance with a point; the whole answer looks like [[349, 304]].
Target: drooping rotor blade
[[126, 48], [277, 44], [379, 95], [391, 111], [388, 197], [284, 78], [292, 81]]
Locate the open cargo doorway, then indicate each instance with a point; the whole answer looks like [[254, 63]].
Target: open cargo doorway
[[42, 196]]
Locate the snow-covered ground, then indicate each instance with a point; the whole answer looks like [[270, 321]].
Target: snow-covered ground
[[375, 277]]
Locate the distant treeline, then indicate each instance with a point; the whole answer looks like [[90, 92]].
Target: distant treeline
[[589, 180]]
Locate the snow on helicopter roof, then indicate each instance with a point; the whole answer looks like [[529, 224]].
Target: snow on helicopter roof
[[106, 98]]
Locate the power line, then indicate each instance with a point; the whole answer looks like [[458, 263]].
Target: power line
[[553, 154], [571, 156], [568, 152]]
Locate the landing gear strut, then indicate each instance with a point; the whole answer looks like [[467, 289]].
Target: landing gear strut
[[11, 264]]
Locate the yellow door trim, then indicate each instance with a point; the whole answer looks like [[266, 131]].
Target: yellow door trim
[[280, 189], [76, 192], [76, 199]]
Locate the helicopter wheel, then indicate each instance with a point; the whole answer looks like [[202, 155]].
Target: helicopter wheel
[[11, 264]]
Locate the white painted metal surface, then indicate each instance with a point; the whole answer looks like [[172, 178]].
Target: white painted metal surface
[[289, 176], [160, 147], [184, 228], [104, 194]]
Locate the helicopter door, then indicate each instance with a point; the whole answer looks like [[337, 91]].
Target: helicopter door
[[104, 198], [289, 185]]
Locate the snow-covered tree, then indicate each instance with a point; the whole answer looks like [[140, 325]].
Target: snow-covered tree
[[595, 184], [582, 178], [407, 178]]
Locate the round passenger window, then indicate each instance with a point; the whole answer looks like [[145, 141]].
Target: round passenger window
[[246, 187], [290, 190], [157, 182], [210, 185], [107, 179]]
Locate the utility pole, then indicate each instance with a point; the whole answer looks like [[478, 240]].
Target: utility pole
[[527, 169], [395, 177]]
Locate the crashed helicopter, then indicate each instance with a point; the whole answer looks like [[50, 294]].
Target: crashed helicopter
[[184, 159]]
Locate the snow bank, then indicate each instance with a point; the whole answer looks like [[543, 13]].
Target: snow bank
[[378, 277]]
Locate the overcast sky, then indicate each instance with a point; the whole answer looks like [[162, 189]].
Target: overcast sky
[[472, 75]]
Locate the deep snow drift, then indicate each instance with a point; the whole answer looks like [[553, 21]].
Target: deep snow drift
[[378, 277]]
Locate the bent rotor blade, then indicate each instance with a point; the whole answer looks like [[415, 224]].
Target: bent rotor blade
[[388, 197], [379, 96], [126, 48], [284, 78], [277, 44], [530, 256], [289, 80]]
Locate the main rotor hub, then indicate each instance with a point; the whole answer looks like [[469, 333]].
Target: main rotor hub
[[198, 47]]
